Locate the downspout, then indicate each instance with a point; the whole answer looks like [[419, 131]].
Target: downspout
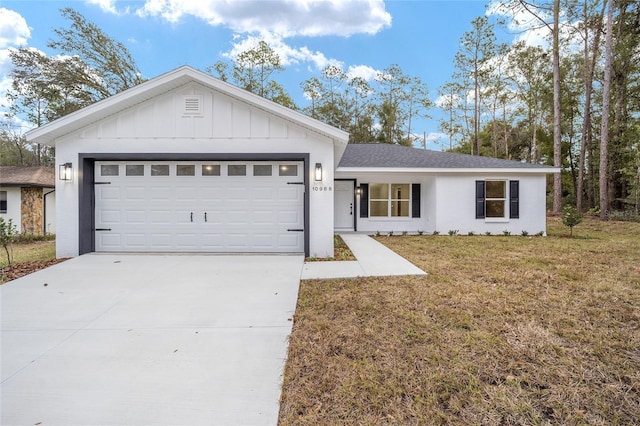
[[44, 213]]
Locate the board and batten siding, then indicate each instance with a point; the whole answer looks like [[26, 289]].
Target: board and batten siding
[[225, 125]]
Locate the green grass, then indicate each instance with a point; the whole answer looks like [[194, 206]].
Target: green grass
[[503, 330]]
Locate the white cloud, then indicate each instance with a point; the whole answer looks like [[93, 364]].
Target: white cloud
[[363, 71], [14, 30], [106, 5], [286, 18]]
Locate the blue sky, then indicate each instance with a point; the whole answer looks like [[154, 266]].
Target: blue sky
[[421, 36]]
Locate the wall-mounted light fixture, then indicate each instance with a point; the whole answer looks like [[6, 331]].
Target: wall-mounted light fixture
[[318, 174], [358, 190], [65, 172]]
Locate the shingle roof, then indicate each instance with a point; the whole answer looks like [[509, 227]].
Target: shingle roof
[[27, 176], [396, 156]]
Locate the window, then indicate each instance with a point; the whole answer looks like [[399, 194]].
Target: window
[[496, 197], [160, 170], [211, 170], [389, 199], [134, 170], [492, 197], [288, 170], [237, 170], [262, 170], [109, 169], [3, 201], [185, 170]]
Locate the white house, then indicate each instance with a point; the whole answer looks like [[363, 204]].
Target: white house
[[27, 198], [187, 163]]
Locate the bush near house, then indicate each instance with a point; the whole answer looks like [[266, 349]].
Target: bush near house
[[503, 330]]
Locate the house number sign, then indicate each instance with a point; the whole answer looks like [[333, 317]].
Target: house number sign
[[322, 188]]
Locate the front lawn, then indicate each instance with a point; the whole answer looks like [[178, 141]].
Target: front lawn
[[27, 257], [503, 330]]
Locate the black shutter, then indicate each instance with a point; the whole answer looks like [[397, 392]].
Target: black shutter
[[514, 199], [364, 200], [415, 200], [480, 199]]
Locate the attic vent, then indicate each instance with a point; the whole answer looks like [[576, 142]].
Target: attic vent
[[193, 105]]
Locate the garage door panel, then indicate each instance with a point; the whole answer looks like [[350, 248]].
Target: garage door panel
[[136, 240], [289, 240], [265, 217], [109, 240], [289, 193], [107, 217], [160, 193], [210, 213], [160, 217], [289, 217], [161, 240], [107, 193], [134, 217], [135, 193]]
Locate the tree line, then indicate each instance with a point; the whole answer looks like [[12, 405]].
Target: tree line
[[514, 101]]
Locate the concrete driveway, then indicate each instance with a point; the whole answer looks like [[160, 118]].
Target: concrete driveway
[[147, 339]]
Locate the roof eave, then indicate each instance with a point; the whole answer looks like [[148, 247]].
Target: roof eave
[[48, 133], [441, 170]]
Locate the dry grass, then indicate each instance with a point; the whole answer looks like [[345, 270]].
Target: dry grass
[[341, 251], [30, 252], [26, 257], [503, 331]]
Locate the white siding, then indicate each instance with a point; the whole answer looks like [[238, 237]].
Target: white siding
[[227, 125]]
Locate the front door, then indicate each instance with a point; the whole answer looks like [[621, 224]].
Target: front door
[[344, 214]]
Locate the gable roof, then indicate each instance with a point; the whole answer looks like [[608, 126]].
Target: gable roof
[[48, 133], [27, 176], [389, 156]]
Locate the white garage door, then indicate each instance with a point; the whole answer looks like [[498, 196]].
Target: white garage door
[[199, 206]]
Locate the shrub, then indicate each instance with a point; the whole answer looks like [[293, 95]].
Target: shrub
[[404, 233], [420, 232], [453, 232], [506, 233], [8, 233], [524, 233], [436, 232], [471, 233], [571, 217], [487, 233]]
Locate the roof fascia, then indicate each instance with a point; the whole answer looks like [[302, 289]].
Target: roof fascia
[[48, 133], [442, 170]]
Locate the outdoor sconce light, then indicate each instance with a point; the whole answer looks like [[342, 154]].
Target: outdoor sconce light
[[358, 190], [318, 174], [65, 172]]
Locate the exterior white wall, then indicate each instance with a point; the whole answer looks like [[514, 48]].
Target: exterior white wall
[[226, 126], [426, 221], [455, 204], [14, 202], [447, 202]]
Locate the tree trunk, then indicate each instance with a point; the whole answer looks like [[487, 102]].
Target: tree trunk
[[604, 132], [557, 137], [589, 67]]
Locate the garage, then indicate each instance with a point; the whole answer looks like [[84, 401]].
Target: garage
[[199, 206]]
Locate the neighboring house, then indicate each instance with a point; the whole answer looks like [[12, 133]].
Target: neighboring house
[[188, 163], [27, 198]]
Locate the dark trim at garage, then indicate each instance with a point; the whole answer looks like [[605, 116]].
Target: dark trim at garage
[[86, 179]]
